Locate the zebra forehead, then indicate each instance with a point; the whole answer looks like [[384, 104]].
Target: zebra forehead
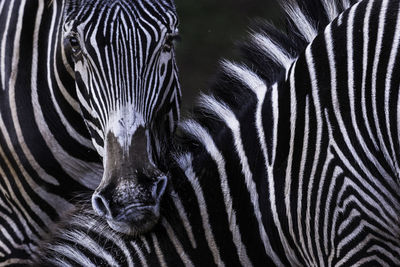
[[78, 10], [109, 17]]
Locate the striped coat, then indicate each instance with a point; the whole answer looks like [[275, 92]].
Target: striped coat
[[293, 161]]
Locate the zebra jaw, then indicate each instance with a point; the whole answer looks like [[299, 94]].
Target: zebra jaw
[[132, 186]]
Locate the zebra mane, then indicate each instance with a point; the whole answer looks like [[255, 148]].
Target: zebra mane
[[268, 53]]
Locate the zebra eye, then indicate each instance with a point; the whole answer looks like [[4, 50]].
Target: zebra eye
[[74, 44], [169, 42]]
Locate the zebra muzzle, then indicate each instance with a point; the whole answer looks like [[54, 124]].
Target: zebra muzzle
[[131, 189], [128, 207]]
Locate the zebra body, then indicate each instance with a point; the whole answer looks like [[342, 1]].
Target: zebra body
[[65, 84], [303, 171]]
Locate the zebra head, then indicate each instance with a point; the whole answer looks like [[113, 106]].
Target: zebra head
[[126, 81]]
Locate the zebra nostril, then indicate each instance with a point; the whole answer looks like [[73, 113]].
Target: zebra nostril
[[160, 187], [100, 205]]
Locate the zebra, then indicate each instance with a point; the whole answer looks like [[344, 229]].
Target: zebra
[[292, 159], [89, 94]]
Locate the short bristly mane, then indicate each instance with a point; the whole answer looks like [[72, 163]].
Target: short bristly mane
[[268, 53]]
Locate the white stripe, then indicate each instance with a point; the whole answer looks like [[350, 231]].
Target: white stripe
[[365, 65], [3, 46], [375, 259], [190, 174], [320, 211], [317, 152], [145, 243], [288, 178], [2, 245], [184, 218], [378, 51], [327, 221], [388, 80], [4, 194], [271, 178], [15, 262], [139, 253], [157, 249], [178, 246], [303, 161], [73, 254]]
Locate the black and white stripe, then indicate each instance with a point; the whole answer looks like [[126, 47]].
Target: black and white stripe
[[302, 171], [52, 126]]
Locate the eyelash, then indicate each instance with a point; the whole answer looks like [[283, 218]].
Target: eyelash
[[169, 41]]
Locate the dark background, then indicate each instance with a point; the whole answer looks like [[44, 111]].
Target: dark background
[[209, 30]]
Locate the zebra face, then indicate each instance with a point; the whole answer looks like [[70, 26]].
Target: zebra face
[[126, 83]]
